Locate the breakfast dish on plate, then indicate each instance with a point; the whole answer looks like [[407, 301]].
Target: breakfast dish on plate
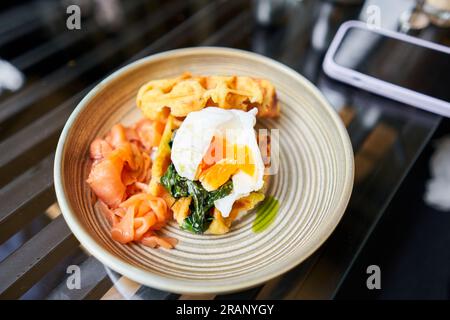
[[195, 158], [172, 160]]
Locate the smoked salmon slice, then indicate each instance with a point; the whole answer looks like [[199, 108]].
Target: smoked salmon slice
[[150, 132], [119, 177], [123, 232], [105, 179]]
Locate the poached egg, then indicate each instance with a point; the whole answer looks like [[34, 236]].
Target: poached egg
[[214, 145]]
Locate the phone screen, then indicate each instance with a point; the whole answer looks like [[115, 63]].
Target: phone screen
[[398, 62]]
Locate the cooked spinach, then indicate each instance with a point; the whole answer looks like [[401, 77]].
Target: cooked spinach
[[174, 183], [220, 193], [202, 200], [202, 203]]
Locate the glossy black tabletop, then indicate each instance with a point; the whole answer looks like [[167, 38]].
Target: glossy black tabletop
[[60, 65]]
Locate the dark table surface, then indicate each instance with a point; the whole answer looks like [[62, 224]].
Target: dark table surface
[[59, 67]]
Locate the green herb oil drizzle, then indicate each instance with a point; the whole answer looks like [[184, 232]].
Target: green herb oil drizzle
[[265, 214]]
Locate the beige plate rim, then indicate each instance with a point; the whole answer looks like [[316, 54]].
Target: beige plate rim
[[189, 286]]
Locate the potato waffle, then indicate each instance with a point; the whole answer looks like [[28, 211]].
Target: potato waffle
[[186, 93]]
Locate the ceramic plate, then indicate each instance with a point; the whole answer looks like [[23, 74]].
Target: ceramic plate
[[312, 185]]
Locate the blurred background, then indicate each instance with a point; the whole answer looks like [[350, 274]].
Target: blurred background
[[53, 52]]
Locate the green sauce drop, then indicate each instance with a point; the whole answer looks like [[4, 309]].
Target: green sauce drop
[[265, 214]]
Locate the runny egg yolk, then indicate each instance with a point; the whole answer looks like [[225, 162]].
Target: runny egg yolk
[[222, 161]]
